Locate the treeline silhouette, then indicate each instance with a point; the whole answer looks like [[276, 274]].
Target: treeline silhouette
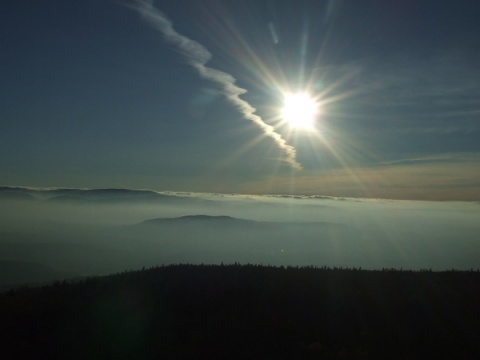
[[247, 312]]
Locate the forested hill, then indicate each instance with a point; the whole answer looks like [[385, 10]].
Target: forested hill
[[247, 312]]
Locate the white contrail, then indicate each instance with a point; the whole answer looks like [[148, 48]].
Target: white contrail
[[197, 56]]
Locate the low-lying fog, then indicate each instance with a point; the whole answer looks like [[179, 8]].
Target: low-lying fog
[[49, 234]]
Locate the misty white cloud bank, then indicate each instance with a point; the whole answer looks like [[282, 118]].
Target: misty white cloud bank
[[198, 56], [101, 231]]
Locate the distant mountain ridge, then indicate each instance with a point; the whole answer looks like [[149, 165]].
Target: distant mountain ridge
[[108, 195], [15, 193], [202, 219], [199, 218]]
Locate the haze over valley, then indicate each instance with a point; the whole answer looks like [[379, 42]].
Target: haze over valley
[[66, 233]]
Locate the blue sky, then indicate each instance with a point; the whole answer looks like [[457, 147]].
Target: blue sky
[[93, 95]]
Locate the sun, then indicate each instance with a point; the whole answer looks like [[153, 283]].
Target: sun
[[299, 111]]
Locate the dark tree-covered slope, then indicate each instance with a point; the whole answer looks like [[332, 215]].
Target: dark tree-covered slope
[[247, 312]]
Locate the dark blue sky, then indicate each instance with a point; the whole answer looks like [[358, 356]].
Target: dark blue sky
[[92, 95]]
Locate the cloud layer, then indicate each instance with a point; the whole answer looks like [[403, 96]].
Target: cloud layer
[[100, 231]]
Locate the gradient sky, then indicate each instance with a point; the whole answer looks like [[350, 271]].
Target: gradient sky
[[92, 95]]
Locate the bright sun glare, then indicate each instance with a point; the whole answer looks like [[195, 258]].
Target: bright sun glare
[[299, 110]]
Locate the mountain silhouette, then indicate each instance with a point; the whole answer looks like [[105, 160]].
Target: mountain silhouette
[[246, 312], [200, 219], [107, 195], [14, 193]]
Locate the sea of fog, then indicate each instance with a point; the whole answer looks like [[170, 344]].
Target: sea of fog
[[64, 233]]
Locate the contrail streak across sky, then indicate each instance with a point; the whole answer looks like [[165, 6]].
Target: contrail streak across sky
[[198, 56]]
